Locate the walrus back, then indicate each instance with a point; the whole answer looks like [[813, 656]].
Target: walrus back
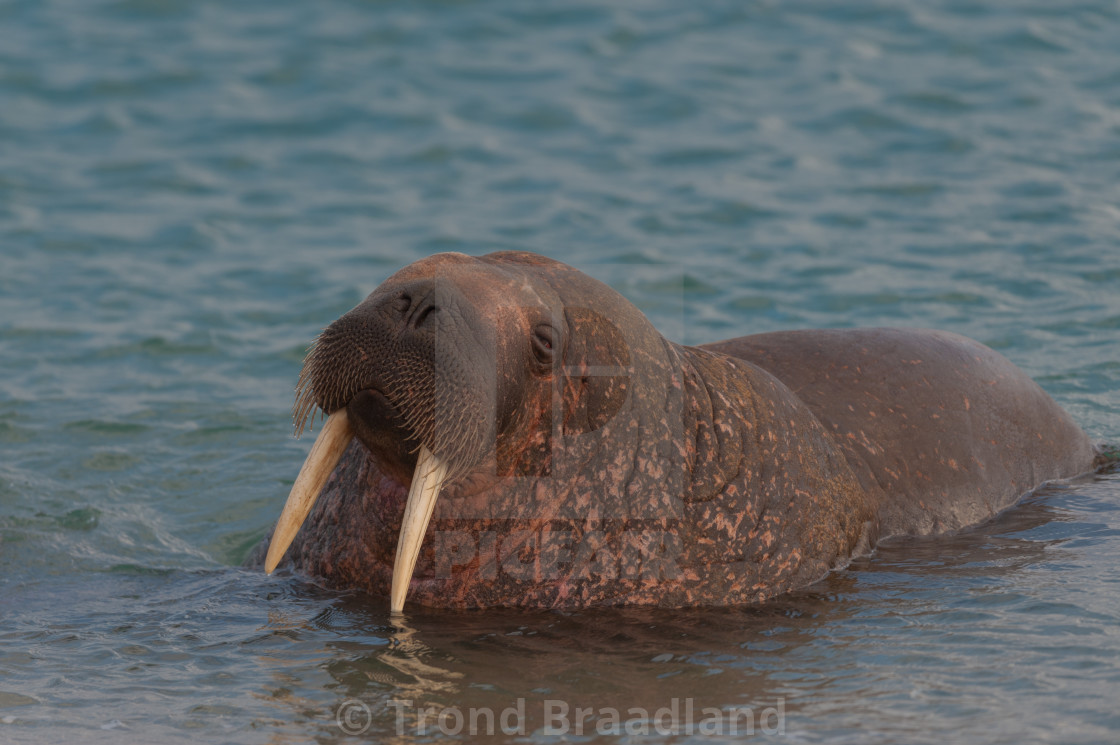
[[945, 430]]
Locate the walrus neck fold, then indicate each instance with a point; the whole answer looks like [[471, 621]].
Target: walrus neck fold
[[749, 426]]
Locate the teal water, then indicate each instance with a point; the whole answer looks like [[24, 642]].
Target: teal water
[[189, 191]]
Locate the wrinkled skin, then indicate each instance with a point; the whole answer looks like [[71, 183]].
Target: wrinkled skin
[[594, 462]]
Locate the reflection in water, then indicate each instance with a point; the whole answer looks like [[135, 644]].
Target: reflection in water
[[1007, 541], [619, 659]]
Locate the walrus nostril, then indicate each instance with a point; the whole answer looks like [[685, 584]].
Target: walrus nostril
[[422, 310], [402, 303], [423, 313]]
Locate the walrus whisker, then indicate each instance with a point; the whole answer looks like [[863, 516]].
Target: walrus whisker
[[324, 456], [426, 482], [303, 413]]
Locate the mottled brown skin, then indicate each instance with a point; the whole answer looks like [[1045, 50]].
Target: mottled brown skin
[[940, 429], [606, 465]]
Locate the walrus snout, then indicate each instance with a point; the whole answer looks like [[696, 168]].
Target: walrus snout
[[401, 373], [414, 366]]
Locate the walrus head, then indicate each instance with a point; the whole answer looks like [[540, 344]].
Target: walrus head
[[460, 369]]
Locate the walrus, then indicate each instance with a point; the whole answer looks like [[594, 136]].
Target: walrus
[[505, 430]]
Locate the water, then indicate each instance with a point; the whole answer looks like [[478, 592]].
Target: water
[[190, 190]]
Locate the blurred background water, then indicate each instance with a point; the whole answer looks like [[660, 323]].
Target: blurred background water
[[190, 190]]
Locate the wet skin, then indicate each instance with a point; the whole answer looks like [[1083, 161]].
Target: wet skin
[[591, 461]]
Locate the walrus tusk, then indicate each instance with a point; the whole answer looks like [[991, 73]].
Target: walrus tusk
[[322, 459], [426, 481]]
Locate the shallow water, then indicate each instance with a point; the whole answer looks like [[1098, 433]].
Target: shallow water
[[189, 191]]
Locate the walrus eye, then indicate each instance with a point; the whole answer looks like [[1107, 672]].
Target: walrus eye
[[544, 343]]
